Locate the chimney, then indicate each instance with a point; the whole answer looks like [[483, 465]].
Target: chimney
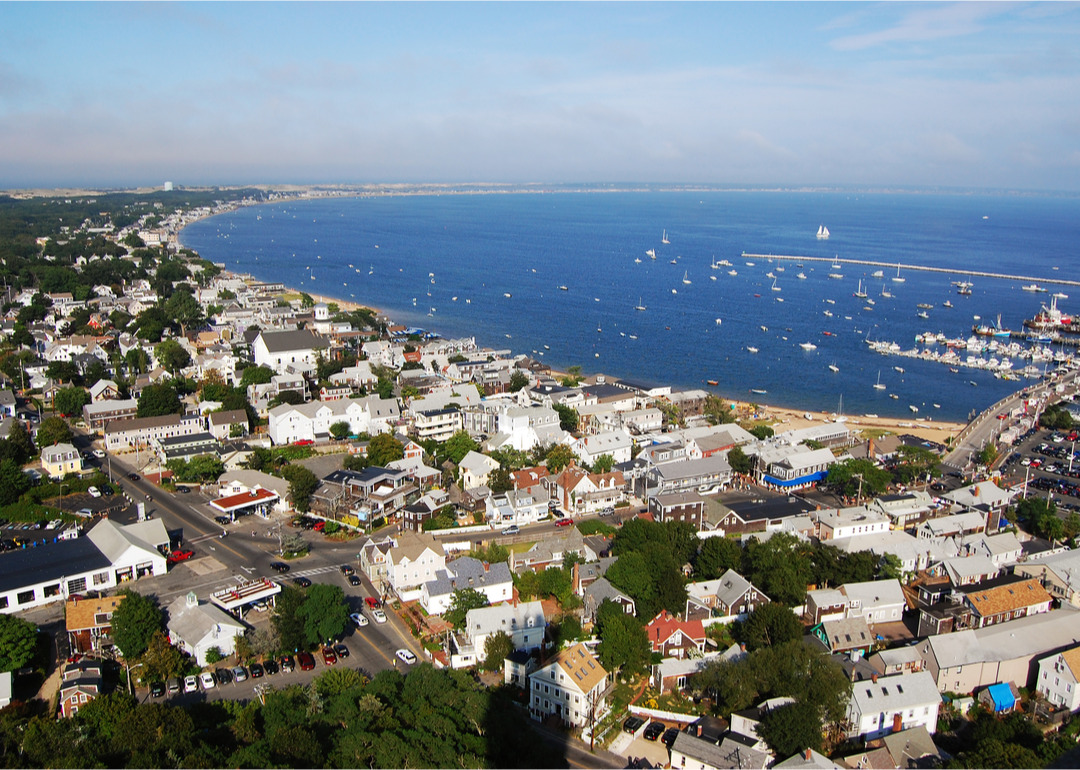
[[576, 581], [870, 449], [742, 647], [873, 677], [699, 728], [897, 723], [807, 754], [487, 567]]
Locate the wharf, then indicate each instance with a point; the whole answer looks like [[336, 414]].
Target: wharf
[[922, 268]]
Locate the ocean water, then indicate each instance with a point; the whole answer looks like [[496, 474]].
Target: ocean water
[[446, 263]]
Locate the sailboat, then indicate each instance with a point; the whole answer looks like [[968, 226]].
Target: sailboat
[[651, 253], [833, 367], [822, 232], [685, 279], [897, 278], [639, 306], [877, 274], [860, 293], [664, 239], [879, 385], [774, 286]]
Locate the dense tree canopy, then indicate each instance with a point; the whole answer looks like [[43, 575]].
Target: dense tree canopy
[[461, 601], [324, 613], [845, 478], [383, 449], [18, 642], [158, 399], [70, 401], [134, 622], [53, 430]]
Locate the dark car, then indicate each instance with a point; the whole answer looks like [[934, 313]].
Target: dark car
[[633, 724], [107, 491], [303, 582], [224, 676], [280, 566], [329, 656], [341, 650], [157, 689], [133, 476], [288, 665], [271, 667], [306, 661], [183, 490], [256, 670], [346, 570], [223, 520], [354, 580], [654, 730], [669, 736]]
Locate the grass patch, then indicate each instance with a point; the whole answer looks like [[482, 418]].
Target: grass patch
[[875, 432], [521, 547]]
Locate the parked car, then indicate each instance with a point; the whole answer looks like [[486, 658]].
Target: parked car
[[319, 526], [354, 580], [94, 492], [191, 683], [329, 656], [270, 666], [224, 676], [157, 689], [566, 522], [405, 656], [513, 529], [98, 454], [306, 661], [358, 619], [239, 673], [173, 685], [303, 442], [669, 736], [207, 680], [133, 476], [378, 615], [632, 724], [288, 665], [372, 601], [654, 730], [280, 566], [223, 520], [341, 650], [301, 581], [346, 570], [256, 670], [180, 555]]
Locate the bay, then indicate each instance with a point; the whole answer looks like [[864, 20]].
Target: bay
[[413, 255]]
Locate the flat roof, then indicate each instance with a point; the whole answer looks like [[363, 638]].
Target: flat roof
[[243, 500], [55, 561]]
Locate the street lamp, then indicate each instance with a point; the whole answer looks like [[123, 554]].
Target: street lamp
[[129, 667], [61, 497]]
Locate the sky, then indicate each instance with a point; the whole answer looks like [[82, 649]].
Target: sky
[[965, 95]]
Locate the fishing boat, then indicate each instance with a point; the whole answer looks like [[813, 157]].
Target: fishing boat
[[674, 291], [860, 293], [831, 301], [913, 408], [947, 303], [685, 279], [764, 328], [675, 261], [836, 275], [638, 260], [759, 391], [1034, 288], [712, 277], [749, 264], [732, 272], [779, 299], [925, 306], [829, 313], [770, 274], [751, 349], [801, 276], [724, 263], [870, 301], [834, 368], [922, 314], [897, 278], [822, 232], [808, 346], [899, 369], [877, 274], [563, 288], [879, 385], [664, 239], [507, 295]]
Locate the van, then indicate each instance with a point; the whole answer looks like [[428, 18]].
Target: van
[[174, 685]]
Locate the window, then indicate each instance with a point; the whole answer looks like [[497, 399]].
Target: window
[[53, 590], [101, 578], [25, 597], [3, 602], [77, 585]]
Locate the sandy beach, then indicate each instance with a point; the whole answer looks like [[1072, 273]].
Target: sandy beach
[[782, 418]]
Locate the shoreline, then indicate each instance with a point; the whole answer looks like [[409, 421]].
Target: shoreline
[[779, 415]]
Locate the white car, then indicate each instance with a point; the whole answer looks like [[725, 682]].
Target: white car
[[358, 619], [405, 656], [207, 680], [99, 454], [378, 615], [94, 492], [191, 684]]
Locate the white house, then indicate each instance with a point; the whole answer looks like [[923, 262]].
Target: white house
[[517, 506], [279, 350], [524, 428], [492, 580], [476, 470], [573, 686], [1059, 679], [195, 627], [311, 421], [415, 559], [835, 523], [616, 443], [890, 704], [242, 481], [524, 623]]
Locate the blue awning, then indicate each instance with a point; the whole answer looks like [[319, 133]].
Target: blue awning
[[810, 478]]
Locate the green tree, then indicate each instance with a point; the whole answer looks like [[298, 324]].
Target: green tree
[[137, 361], [847, 476], [459, 445], [780, 567], [624, 645], [53, 430], [134, 622], [987, 454], [70, 401], [518, 380], [161, 660], [171, 355], [18, 446], [461, 601], [324, 613], [18, 642], [559, 457], [287, 620], [568, 417], [302, 482], [340, 429], [13, 482], [497, 647], [184, 309], [337, 680], [916, 463], [792, 729], [383, 449], [159, 399], [603, 464], [717, 556], [761, 431], [717, 411], [256, 375], [769, 624], [213, 655]]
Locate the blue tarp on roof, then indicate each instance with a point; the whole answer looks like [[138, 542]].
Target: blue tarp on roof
[[1002, 696], [810, 478]]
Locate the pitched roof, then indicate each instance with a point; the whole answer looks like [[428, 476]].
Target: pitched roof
[[298, 339], [665, 625], [83, 614], [228, 418], [581, 666], [1007, 598], [1072, 660], [194, 623], [411, 544], [1031, 635]]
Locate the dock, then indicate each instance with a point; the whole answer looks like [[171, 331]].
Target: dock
[[920, 268]]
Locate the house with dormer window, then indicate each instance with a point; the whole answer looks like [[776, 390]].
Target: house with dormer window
[[579, 492], [675, 638], [492, 580], [573, 687], [415, 559], [523, 622]]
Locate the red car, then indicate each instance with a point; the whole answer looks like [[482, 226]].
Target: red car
[[178, 556], [306, 661], [319, 526], [567, 522], [303, 442], [372, 602], [329, 656]]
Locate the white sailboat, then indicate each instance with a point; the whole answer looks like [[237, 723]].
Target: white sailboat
[[879, 385], [651, 253], [897, 278], [833, 367], [639, 306], [822, 232], [860, 293], [685, 279], [774, 286], [664, 239]]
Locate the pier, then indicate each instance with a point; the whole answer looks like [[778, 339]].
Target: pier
[[922, 268]]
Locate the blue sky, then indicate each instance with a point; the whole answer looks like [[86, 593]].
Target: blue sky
[[959, 95]]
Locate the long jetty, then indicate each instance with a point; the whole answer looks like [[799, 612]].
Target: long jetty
[[923, 268]]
